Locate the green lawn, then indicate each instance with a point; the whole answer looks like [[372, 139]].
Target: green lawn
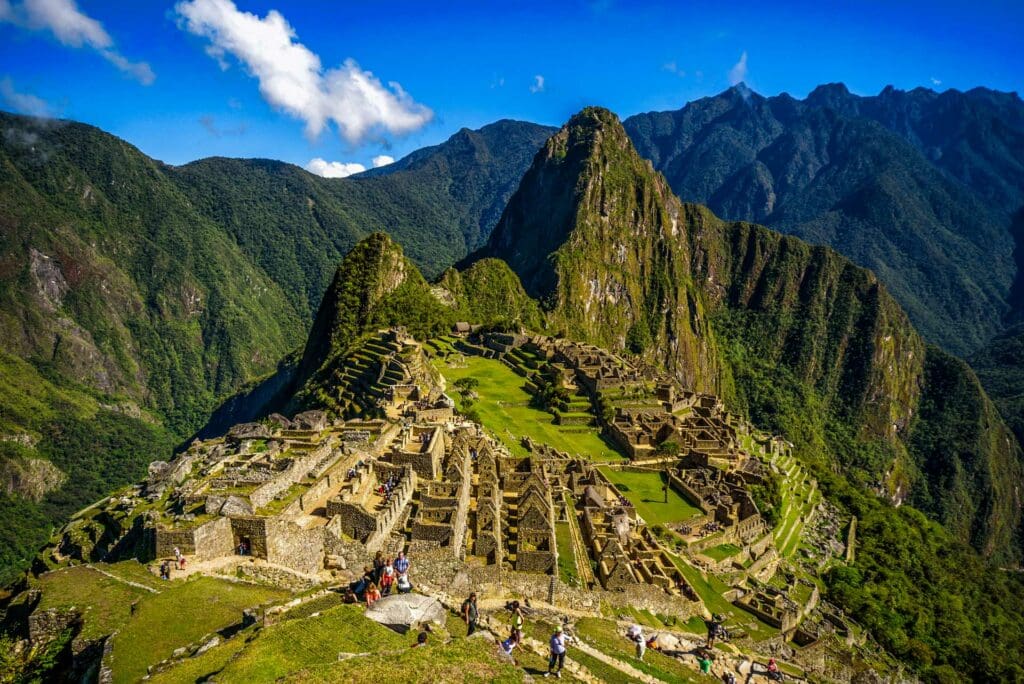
[[505, 411], [644, 491], [722, 551], [567, 570], [181, 614], [105, 603], [461, 660]]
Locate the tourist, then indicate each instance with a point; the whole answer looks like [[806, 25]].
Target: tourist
[[557, 644], [372, 595], [403, 584], [773, 670], [350, 596], [363, 583], [378, 566], [421, 640], [636, 635], [517, 619], [728, 678], [715, 628], [470, 613], [177, 554], [704, 661], [181, 563], [387, 577], [508, 645], [165, 571], [402, 564]]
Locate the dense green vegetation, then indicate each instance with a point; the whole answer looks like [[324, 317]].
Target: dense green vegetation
[[1000, 367], [928, 598]]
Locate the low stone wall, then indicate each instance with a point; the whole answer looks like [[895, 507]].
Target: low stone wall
[[46, 625], [278, 577], [440, 572]]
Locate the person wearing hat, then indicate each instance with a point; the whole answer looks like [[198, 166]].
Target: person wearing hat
[[557, 644]]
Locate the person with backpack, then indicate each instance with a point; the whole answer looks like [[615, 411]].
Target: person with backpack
[[470, 613]]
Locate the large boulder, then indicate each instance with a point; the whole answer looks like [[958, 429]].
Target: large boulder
[[310, 420], [402, 612], [236, 505], [249, 431]]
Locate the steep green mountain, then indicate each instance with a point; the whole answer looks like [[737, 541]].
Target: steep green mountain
[[377, 286], [440, 203], [616, 259], [126, 316], [1000, 367], [917, 186], [594, 235]]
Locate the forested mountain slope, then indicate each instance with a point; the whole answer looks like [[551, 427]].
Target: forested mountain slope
[[918, 186]]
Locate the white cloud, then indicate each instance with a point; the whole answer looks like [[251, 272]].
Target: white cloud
[[322, 167], [738, 73], [23, 103], [70, 26], [292, 78], [538, 84], [382, 160], [935, 81], [673, 68]]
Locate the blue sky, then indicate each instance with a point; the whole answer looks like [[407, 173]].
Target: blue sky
[[185, 80]]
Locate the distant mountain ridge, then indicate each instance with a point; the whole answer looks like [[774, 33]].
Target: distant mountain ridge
[[918, 186]]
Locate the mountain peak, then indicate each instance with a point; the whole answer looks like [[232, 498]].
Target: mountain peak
[[828, 94]]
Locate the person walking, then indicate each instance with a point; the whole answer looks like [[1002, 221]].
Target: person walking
[[470, 613], [557, 644]]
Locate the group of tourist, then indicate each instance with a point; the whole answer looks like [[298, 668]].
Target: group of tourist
[[167, 566], [386, 488], [380, 579]]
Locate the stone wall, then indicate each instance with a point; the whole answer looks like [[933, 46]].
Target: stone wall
[[351, 519], [214, 539], [46, 625], [443, 573], [276, 576], [305, 502], [165, 540], [294, 547], [299, 468]]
